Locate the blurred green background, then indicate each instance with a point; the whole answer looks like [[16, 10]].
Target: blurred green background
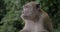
[[10, 11]]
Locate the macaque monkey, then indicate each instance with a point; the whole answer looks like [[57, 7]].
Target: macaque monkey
[[36, 20]]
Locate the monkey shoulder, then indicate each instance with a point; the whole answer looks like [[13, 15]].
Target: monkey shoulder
[[45, 16]]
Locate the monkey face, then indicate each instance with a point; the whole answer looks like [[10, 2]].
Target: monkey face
[[30, 10], [27, 11]]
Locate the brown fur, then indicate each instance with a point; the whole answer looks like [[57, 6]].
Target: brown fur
[[38, 21]]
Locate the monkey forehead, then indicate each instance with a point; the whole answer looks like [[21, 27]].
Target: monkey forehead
[[32, 3]]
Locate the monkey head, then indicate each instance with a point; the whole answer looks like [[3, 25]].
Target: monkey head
[[30, 10]]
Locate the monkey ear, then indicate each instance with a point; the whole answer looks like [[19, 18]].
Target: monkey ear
[[38, 6]]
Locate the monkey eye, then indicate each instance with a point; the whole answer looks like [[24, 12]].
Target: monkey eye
[[26, 6]]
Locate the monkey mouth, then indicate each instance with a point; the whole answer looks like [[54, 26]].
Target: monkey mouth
[[26, 17]]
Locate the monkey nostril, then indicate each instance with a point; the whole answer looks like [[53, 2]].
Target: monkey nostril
[[24, 12]]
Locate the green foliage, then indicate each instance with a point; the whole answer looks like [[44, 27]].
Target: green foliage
[[12, 21], [10, 11]]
